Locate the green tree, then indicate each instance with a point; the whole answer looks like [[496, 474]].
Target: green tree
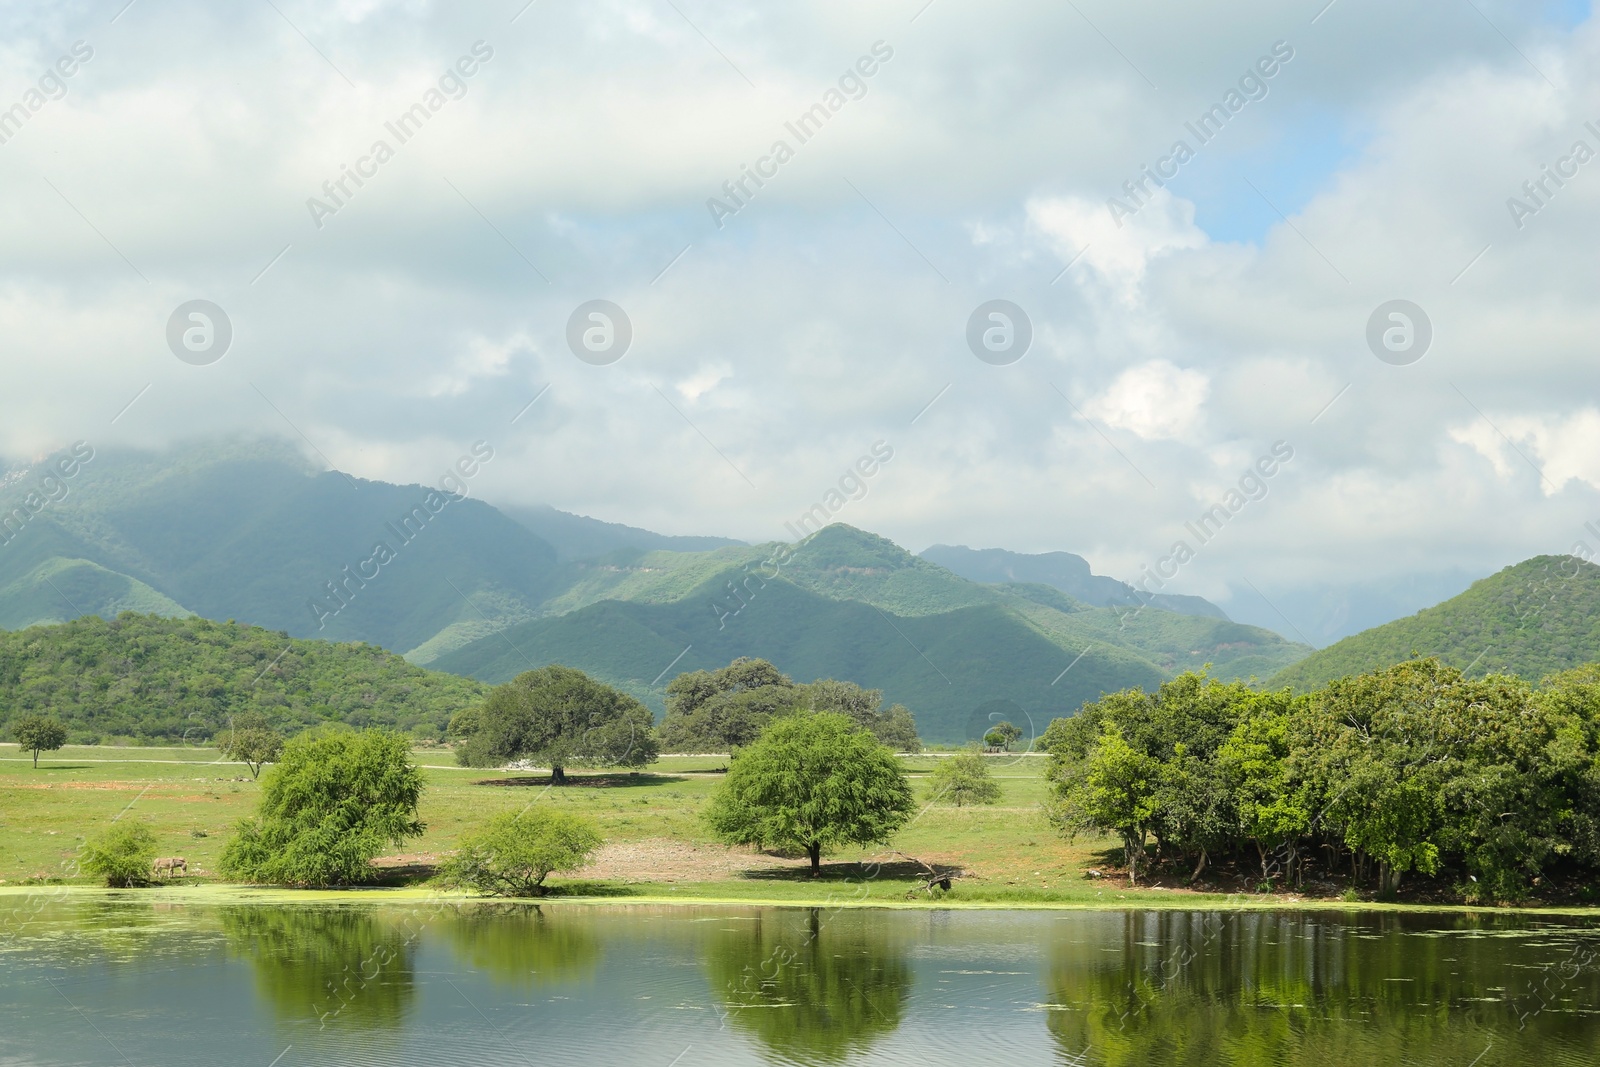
[[515, 851], [122, 854], [1002, 736], [559, 716], [330, 806], [37, 734], [251, 740], [725, 709], [812, 782], [1372, 753], [1112, 790], [963, 779], [896, 727], [1272, 809]]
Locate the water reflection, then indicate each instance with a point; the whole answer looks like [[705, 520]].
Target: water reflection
[[523, 945], [328, 966], [1246, 990], [811, 986]]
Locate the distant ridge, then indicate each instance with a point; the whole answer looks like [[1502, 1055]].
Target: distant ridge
[[251, 531], [578, 537], [1064, 571]]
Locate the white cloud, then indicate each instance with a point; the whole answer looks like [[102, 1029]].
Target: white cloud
[[1565, 447], [703, 381], [1119, 253], [1156, 401], [823, 317], [481, 359]]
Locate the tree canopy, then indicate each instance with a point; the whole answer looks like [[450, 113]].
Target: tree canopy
[[122, 854], [330, 806], [251, 740], [963, 779], [514, 852], [37, 734], [725, 709], [1410, 769], [559, 716], [812, 782]]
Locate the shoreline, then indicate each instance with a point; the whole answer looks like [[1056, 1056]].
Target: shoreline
[[245, 894]]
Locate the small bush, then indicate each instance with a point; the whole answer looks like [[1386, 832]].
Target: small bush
[[513, 853], [122, 855], [964, 779]]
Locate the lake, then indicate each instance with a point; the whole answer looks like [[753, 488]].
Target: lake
[[128, 979]]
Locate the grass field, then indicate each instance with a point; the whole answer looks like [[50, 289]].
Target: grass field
[[656, 847], [656, 844]]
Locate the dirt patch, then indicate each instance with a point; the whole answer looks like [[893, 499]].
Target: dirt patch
[[665, 860]]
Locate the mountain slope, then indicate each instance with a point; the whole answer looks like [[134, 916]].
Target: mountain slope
[[854, 605], [941, 666], [146, 678], [578, 537], [1531, 619], [1060, 570], [251, 531]]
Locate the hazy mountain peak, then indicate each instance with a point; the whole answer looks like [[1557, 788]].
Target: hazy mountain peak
[[1062, 570]]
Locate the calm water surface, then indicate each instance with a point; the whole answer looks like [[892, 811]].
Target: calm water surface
[[139, 982]]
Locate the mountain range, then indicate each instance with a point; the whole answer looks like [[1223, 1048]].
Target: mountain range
[[251, 531]]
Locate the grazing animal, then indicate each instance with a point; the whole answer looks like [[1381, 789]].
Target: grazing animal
[[169, 864]]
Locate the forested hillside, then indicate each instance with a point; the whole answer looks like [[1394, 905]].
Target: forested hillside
[[1532, 619], [146, 678], [849, 604]]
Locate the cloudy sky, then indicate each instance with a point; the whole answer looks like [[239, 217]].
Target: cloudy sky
[[778, 330]]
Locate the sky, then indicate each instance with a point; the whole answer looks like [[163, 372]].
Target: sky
[[758, 341]]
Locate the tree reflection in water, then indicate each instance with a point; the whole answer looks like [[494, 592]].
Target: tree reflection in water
[[1252, 990], [523, 945], [812, 988], [350, 967]]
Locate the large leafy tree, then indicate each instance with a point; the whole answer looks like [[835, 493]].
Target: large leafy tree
[[1112, 789], [1272, 810], [560, 716], [37, 734], [330, 806], [895, 727], [812, 782], [725, 709]]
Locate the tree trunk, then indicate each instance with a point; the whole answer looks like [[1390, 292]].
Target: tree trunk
[[35, 759], [1263, 854], [1201, 866], [815, 851], [558, 775], [1131, 850]]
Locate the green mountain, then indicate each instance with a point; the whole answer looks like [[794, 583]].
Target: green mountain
[[850, 604], [251, 531], [1532, 619], [147, 678]]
